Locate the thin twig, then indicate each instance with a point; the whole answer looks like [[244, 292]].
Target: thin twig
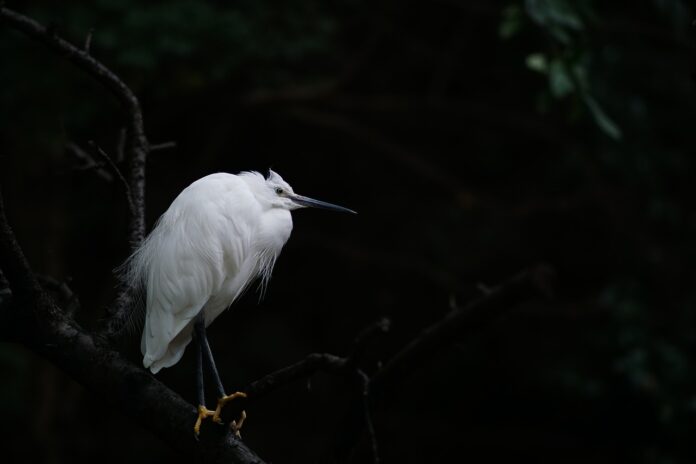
[[116, 172], [308, 366], [316, 362], [163, 146], [88, 40], [379, 327], [369, 425], [87, 162]]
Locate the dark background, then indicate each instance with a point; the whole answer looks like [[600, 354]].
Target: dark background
[[475, 138]]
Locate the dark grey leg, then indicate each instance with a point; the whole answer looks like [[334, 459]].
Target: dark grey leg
[[205, 347], [200, 389]]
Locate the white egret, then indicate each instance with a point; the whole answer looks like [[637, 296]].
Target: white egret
[[220, 234]]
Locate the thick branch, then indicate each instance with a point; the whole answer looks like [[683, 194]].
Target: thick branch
[[36, 322], [116, 381], [14, 265]]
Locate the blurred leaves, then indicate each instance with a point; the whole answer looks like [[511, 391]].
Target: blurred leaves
[[560, 18], [200, 40], [567, 62], [511, 22]]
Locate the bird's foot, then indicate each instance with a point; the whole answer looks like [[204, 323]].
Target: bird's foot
[[235, 425], [203, 413], [223, 401]]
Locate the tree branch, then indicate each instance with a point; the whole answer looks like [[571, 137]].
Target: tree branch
[[118, 382], [163, 146], [62, 293], [365, 383], [40, 325], [108, 162], [136, 146], [87, 162], [531, 283], [14, 265], [88, 41], [315, 362], [534, 282], [302, 369]]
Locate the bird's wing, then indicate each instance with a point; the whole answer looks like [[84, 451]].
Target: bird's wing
[[187, 271], [198, 245]]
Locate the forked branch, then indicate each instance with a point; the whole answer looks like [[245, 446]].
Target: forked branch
[[136, 144]]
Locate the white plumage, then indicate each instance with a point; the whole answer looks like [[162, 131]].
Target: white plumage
[[217, 236]]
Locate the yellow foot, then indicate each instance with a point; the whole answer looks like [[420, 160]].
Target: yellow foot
[[203, 413], [223, 401], [236, 426]]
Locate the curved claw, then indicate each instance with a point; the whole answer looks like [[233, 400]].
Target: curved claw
[[223, 401], [203, 413], [236, 426]]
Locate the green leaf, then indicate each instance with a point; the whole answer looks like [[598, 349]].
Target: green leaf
[[560, 82], [511, 23], [558, 17], [537, 62], [605, 123], [559, 12]]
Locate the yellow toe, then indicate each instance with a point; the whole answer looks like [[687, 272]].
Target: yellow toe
[[203, 413], [223, 401], [236, 426]]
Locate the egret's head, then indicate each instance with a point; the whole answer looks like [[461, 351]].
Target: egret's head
[[283, 196]]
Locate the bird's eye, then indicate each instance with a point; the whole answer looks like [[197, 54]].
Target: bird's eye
[[278, 191]]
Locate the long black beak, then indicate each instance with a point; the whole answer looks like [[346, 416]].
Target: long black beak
[[312, 203]]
